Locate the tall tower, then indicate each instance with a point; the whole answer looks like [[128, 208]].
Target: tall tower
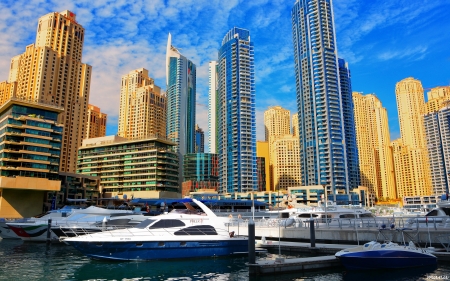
[[351, 147], [320, 106], [437, 98], [50, 71], [212, 108], [237, 120], [199, 140], [373, 138], [276, 124], [142, 111], [181, 87], [96, 122], [413, 154]]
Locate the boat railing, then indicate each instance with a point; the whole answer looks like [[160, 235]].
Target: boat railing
[[345, 223]]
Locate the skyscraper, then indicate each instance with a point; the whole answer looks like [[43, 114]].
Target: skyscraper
[[277, 125], [181, 93], [51, 71], [96, 122], [142, 111], [351, 147], [412, 165], [236, 114], [373, 138], [199, 140], [212, 108], [319, 100]]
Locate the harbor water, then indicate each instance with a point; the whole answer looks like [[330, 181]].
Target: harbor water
[[38, 261]]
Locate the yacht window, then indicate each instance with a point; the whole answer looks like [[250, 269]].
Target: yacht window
[[197, 230], [366, 216], [167, 224], [145, 223], [307, 215], [447, 211], [433, 213], [347, 216]]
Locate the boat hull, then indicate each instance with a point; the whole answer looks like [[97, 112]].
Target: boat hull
[[385, 259], [155, 250], [34, 233]]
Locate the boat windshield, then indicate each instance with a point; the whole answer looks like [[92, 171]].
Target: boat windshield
[[145, 223]]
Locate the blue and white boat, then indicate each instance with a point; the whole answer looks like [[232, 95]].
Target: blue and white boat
[[374, 255], [181, 233]]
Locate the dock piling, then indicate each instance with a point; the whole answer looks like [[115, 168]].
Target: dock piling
[[251, 242], [49, 229], [312, 233]]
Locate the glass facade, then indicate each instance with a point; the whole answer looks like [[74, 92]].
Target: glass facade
[[30, 141], [132, 166], [201, 171], [320, 105], [236, 113]]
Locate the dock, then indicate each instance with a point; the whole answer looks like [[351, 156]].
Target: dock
[[328, 260]]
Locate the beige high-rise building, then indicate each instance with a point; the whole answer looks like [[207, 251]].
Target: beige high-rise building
[[412, 168], [142, 110], [437, 98], [285, 159], [96, 124], [276, 124], [373, 140], [262, 150], [50, 71], [295, 125]]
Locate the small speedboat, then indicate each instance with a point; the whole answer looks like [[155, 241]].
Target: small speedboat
[[374, 255]]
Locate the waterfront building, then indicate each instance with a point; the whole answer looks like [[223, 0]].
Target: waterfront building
[[236, 114], [412, 171], [373, 139], [50, 71], [437, 131], [181, 95], [261, 173], [142, 109], [320, 105], [30, 149], [276, 124], [199, 140], [201, 172], [262, 151], [437, 98], [96, 122], [295, 124], [351, 147], [285, 160], [142, 168], [213, 107]]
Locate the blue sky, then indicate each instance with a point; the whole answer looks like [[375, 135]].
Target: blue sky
[[383, 42]]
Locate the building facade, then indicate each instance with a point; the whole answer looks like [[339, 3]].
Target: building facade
[[285, 160], [50, 71], [96, 124], [262, 151], [30, 149], [319, 100], [142, 111], [437, 131], [261, 173], [181, 96], [201, 172], [199, 140], [213, 106], [351, 147], [236, 114], [412, 169], [437, 98], [373, 139], [145, 168]]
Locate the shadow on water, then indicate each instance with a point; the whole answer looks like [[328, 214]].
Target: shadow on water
[[406, 274]]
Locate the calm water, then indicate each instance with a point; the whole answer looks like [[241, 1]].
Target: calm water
[[38, 261]]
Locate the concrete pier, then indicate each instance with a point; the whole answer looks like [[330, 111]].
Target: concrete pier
[[265, 266]]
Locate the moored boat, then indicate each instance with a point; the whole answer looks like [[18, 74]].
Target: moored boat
[[373, 255], [181, 233]]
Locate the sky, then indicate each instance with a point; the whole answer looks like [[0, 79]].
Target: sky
[[383, 41]]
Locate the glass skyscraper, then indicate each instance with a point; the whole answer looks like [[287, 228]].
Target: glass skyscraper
[[236, 113], [181, 92], [320, 105]]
